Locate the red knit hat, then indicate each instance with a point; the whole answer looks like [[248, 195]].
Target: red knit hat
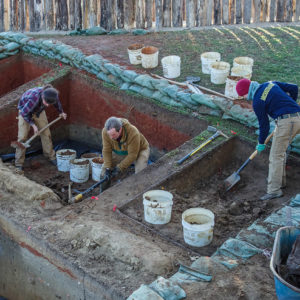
[[242, 86]]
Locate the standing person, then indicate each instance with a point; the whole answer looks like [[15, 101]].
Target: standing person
[[32, 114], [277, 100], [123, 145]]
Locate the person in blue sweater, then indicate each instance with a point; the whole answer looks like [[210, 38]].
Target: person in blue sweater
[[279, 101]]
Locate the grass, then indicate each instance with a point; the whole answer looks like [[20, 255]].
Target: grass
[[275, 50]]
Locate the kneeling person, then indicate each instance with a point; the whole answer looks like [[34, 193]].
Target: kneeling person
[[123, 145]]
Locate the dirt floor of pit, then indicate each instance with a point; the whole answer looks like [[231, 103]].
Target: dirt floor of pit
[[234, 210]]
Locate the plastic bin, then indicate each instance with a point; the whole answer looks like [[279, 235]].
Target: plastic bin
[[284, 240], [219, 71], [149, 57]]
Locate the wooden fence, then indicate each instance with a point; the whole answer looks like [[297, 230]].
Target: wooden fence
[[37, 15]]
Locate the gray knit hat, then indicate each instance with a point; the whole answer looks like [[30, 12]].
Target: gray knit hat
[[50, 95]]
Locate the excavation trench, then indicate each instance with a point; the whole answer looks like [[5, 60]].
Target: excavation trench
[[102, 245]]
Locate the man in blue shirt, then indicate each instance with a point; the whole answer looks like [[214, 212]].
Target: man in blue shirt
[[277, 100]]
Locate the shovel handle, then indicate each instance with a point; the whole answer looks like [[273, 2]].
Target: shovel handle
[[180, 161], [266, 142], [40, 131]]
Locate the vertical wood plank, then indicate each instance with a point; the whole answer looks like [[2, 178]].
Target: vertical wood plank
[[280, 11], [238, 11], [21, 15], [111, 16], [149, 13], [264, 4], [78, 15], [289, 10], [167, 6], [140, 14], [129, 10], [13, 10], [272, 10], [61, 15], [38, 11], [201, 14], [120, 14], [209, 12], [257, 9], [247, 11], [297, 12], [190, 13], [158, 14], [232, 11], [217, 12], [92, 13], [2, 15], [72, 14], [49, 17], [85, 13], [177, 13], [225, 12], [31, 15]]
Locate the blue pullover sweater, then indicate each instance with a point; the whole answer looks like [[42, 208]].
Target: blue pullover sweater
[[271, 99]]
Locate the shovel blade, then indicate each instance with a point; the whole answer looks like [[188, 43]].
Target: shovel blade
[[232, 180]]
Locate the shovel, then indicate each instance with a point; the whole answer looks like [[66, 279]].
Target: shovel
[[235, 177], [16, 144], [218, 133]]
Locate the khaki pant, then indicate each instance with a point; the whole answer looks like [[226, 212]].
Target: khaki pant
[[140, 163], [285, 131], [23, 130]]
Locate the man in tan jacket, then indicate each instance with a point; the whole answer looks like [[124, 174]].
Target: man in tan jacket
[[123, 145]]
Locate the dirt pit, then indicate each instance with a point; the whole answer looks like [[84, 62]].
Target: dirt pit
[[202, 185]]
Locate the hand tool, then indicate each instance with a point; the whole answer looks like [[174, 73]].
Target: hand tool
[[16, 144], [79, 196], [235, 178], [218, 133]]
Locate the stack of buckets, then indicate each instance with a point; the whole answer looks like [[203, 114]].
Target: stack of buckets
[[198, 223], [148, 57], [242, 68], [79, 168]]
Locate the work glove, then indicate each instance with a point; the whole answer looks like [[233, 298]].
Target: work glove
[[106, 184], [116, 172], [260, 147]]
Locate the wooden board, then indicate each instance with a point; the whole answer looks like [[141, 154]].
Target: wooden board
[[120, 13], [280, 11], [217, 12], [167, 12], [129, 9], [148, 13], [177, 19], [247, 11], [225, 12], [140, 14]]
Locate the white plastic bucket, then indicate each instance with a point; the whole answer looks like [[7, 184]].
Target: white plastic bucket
[[149, 57], [90, 156], [243, 62], [230, 87], [79, 170], [207, 58], [198, 225], [134, 52], [219, 71], [63, 158], [96, 168], [157, 206], [244, 72], [171, 66]]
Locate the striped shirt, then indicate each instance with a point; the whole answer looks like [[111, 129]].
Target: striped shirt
[[31, 103]]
